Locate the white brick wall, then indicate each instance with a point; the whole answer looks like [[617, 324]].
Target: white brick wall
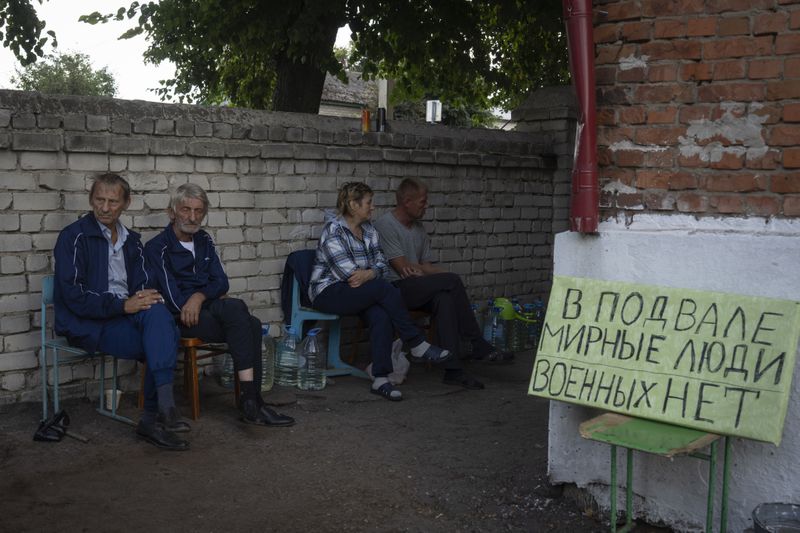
[[269, 194]]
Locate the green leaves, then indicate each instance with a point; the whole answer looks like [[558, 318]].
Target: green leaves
[[23, 30], [66, 74]]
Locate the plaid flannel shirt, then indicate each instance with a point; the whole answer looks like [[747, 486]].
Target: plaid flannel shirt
[[340, 254]]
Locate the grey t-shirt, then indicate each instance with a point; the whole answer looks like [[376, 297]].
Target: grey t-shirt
[[399, 241]]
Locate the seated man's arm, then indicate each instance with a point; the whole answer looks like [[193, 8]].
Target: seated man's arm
[[71, 269], [158, 262], [217, 285], [407, 269]]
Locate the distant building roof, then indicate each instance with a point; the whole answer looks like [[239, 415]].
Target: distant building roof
[[357, 92]]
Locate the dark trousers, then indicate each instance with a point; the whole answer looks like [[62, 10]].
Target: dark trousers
[[150, 335], [380, 305], [228, 320], [443, 295]]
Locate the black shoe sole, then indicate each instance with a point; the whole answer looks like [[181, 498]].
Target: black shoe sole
[[160, 445], [266, 424]]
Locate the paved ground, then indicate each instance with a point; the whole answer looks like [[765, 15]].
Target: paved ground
[[442, 460]]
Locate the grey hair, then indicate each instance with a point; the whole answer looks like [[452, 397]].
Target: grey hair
[[188, 190]]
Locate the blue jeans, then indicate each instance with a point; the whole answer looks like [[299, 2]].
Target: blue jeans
[[380, 305], [149, 335]]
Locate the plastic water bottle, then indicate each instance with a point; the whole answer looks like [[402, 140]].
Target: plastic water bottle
[[267, 359], [538, 317], [311, 363], [477, 315], [498, 329], [488, 332], [286, 361], [530, 326], [226, 372]]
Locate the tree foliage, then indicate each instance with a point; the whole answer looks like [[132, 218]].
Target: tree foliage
[[274, 55], [21, 30], [66, 74]]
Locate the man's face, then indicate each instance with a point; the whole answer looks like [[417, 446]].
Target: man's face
[[415, 205], [108, 202], [187, 217]]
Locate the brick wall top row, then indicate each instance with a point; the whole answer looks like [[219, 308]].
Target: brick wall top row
[[20, 111]]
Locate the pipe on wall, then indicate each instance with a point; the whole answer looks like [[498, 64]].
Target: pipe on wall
[[585, 200]]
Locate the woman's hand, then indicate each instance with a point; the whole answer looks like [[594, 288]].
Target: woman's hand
[[142, 300], [359, 277]]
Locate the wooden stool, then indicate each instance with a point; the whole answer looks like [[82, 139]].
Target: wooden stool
[[194, 349]]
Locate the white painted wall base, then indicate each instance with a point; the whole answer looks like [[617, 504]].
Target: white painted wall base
[[745, 256]]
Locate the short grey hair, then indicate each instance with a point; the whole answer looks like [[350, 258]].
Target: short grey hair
[[188, 190]]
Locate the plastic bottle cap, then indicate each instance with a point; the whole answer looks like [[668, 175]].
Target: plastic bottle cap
[[264, 330], [314, 331]]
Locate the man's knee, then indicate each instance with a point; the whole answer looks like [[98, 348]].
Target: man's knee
[[452, 281], [234, 306]]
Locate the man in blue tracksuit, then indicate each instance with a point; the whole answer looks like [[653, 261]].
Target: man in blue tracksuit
[[195, 286], [105, 301]]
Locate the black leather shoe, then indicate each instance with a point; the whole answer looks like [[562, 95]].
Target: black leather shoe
[[157, 435], [261, 415], [172, 421]]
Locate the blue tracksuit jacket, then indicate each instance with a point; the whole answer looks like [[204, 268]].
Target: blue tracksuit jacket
[[81, 297], [179, 274]]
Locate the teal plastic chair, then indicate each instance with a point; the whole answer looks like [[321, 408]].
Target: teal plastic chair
[[300, 314], [62, 352]]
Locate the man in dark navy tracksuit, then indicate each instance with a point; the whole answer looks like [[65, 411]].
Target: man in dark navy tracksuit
[[105, 301], [194, 286]]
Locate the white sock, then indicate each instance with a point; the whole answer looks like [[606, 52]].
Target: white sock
[[420, 349]]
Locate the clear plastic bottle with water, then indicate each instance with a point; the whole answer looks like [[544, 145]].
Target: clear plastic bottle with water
[[530, 326], [488, 332], [518, 331], [538, 316], [498, 329], [286, 361], [226, 371], [311, 363], [267, 359]]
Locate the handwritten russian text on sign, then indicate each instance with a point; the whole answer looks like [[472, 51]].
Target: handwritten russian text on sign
[[712, 361]]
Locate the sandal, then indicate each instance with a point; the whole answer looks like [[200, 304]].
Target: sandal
[[388, 391], [433, 354]]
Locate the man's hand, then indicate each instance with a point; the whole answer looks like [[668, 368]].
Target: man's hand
[[190, 312], [142, 300], [410, 271], [359, 277]]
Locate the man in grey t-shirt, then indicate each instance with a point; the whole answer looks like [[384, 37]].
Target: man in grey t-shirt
[[427, 287]]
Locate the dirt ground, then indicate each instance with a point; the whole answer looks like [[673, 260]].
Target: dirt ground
[[442, 460]]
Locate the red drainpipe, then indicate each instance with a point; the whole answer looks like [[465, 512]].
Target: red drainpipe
[[584, 206]]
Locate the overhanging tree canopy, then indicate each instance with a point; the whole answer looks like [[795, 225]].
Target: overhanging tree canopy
[[270, 54], [274, 55]]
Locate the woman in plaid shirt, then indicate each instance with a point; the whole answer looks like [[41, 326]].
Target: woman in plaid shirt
[[348, 279]]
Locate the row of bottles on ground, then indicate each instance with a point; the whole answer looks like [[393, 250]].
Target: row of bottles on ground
[[300, 364], [267, 363], [296, 363], [508, 325]]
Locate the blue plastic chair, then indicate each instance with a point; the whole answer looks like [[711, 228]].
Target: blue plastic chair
[[62, 352], [300, 314]]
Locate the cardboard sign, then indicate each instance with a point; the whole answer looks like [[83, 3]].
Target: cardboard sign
[[712, 361]]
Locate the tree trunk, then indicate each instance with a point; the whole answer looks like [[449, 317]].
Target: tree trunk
[[298, 87]]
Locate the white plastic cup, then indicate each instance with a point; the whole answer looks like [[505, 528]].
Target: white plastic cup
[[110, 397]]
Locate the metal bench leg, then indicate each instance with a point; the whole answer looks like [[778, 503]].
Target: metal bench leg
[[712, 485], [723, 521], [101, 408], [337, 367], [613, 518]]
